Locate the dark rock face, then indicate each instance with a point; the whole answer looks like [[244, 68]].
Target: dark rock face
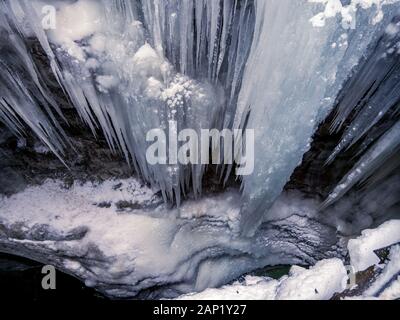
[[90, 160]]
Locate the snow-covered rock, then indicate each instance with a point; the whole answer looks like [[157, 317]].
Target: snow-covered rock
[[327, 277], [361, 249], [383, 281]]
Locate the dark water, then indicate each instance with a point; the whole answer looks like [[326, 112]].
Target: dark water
[[20, 279], [275, 272]]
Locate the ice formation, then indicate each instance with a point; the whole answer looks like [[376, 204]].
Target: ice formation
[[327, 277], [145, 249], [286, 110], [279, 67], [129, 67]]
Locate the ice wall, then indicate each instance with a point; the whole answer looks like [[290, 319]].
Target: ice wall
[[294, 73]]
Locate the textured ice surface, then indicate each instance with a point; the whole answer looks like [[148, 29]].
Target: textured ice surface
[[119, 238], [347, 12]]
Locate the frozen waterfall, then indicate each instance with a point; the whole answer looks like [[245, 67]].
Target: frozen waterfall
[[276, 66]]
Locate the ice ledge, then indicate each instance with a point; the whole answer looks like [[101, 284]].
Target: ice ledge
[[119, 238]]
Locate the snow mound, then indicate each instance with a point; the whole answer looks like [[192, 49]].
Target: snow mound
[[361, 249], [320, 282]]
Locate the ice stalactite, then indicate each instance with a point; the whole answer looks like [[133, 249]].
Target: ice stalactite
[[375, 90], [293, 76], [205, 39], [377, 98], [117, 81], [20, 104], [387, 145]]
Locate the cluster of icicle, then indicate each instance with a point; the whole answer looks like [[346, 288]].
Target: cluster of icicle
[[129, 66], [110, 59]]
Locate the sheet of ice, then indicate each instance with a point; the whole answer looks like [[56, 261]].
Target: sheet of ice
[[320, 282], [285, 110], [361, 249]]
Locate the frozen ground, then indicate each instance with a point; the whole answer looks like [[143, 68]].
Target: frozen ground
[[121, 239], [317, 283], [327, 277]]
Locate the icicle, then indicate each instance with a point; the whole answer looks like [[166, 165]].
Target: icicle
[[292, 67], [385, 147], [372, 92], [17, 101]]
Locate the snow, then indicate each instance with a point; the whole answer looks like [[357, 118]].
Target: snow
[[393, 292], [386, 285], [326, 277], [320, 282], [348, 12], [120, 238], [76, 21], [361, 249]]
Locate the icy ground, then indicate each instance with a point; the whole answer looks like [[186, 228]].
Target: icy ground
[[120, 238], [327, 277], [319, 282]]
